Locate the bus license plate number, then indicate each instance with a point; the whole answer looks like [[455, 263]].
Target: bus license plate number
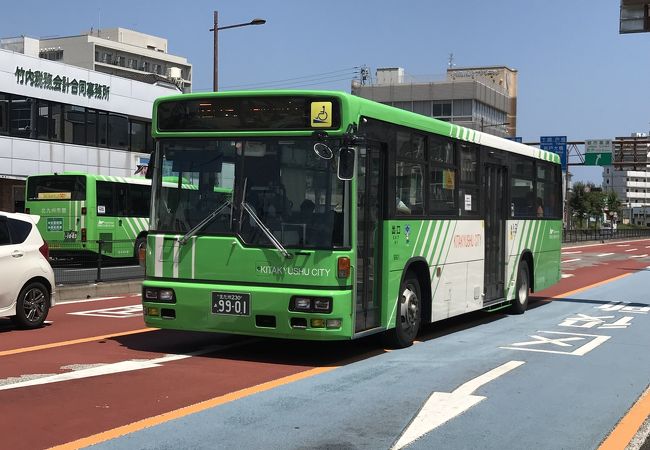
[[70, 236], [231, 303]]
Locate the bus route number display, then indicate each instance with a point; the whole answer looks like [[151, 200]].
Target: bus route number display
[[231, 303]]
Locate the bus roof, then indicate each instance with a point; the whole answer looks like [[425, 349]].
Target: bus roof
[[354, 107], [128, 180]]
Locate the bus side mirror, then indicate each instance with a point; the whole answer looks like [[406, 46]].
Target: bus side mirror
[[346, 163], [151, 167]]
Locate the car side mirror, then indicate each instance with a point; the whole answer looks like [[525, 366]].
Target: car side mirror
[[151, 167], [346, 163]]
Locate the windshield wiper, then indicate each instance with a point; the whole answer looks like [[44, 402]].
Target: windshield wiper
[[246, 207], [203, 223]]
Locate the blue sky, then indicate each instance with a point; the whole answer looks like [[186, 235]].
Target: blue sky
[[577, 76]]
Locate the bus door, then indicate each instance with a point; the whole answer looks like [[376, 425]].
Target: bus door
[[370, 211], [496, 210]]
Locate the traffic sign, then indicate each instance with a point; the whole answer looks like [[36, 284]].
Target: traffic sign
[[598, 152], [555, 144]]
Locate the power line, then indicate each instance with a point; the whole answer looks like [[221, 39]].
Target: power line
[[300, 78], [303, 82]]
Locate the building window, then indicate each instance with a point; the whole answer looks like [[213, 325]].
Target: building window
[[4, 113], [43, 126], [74, 125], [118, 132], [138, 136], [102, 129], [91, 127], [441, 109], [21, 116], [56, 123], [51, 54]]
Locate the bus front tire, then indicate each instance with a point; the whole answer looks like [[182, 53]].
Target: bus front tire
[[522, 289], [408, 317]]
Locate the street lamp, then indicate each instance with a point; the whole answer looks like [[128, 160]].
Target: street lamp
[[215, 80]]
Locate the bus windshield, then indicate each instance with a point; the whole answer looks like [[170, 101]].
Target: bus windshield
[[57, 187], [291, 188]]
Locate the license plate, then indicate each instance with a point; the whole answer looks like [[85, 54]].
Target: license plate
[[70, 236], [231, 303]]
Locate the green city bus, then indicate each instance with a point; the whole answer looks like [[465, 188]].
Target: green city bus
[[78, 210], [344, 217]]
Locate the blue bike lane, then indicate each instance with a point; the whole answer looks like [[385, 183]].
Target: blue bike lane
[[560, 376]]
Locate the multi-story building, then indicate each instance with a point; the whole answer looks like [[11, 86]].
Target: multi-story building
[[481, 98], [57, 117], [629, 177], [121, 52]]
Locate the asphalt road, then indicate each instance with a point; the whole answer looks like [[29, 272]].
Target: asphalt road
[[563, 375]]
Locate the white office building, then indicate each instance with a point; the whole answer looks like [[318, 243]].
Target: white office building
[[57, 117]]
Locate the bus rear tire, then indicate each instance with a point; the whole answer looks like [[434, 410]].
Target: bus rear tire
[[522, 289], [408, 317]]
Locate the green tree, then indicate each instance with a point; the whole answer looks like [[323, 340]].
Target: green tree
[[614, 204], [596, 204], [578, 202]]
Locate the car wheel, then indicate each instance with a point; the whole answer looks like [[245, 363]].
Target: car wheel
[[522, 289], [408, 318], [32, 305]]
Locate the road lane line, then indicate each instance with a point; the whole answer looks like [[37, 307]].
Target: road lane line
[[605, 254], [626, 429], [571, 253], [441, 407], [631, 249], [191, 409], [571, 260], [623, 245], [17, 351], [567, 275], [639, 256]]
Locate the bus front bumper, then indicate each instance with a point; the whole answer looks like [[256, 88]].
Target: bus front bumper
[[296, 313]]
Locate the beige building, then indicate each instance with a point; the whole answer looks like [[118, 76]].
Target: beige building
[[481, 98], [120, 52]]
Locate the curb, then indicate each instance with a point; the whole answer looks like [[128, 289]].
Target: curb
[[102, 289]]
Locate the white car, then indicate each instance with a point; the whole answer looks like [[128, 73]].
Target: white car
[[26, 277]]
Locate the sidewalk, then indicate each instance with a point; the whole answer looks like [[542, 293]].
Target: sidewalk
[[93, 290]]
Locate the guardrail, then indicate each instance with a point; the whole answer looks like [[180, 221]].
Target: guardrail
[[93, 261], [570, 236]]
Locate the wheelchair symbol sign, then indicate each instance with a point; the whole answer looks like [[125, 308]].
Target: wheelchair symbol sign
[[321, 114]]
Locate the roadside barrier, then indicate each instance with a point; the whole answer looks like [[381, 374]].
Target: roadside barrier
[[94, 261], [570, 236]]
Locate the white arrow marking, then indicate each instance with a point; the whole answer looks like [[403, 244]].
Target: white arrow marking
[[118, 367], [441, 407]]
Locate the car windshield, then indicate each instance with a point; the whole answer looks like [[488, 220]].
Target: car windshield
[[287, 185]]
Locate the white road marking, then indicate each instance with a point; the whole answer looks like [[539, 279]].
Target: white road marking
[[441, 407], [623, 245], [118, 312], [571, 260], [567, 275], [88, 300], [631, 249], [605, 254], [571, 253], [561, 342], [118, 367], [639, 256]]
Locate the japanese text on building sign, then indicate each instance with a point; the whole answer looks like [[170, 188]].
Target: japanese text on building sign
[[46, 80]]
